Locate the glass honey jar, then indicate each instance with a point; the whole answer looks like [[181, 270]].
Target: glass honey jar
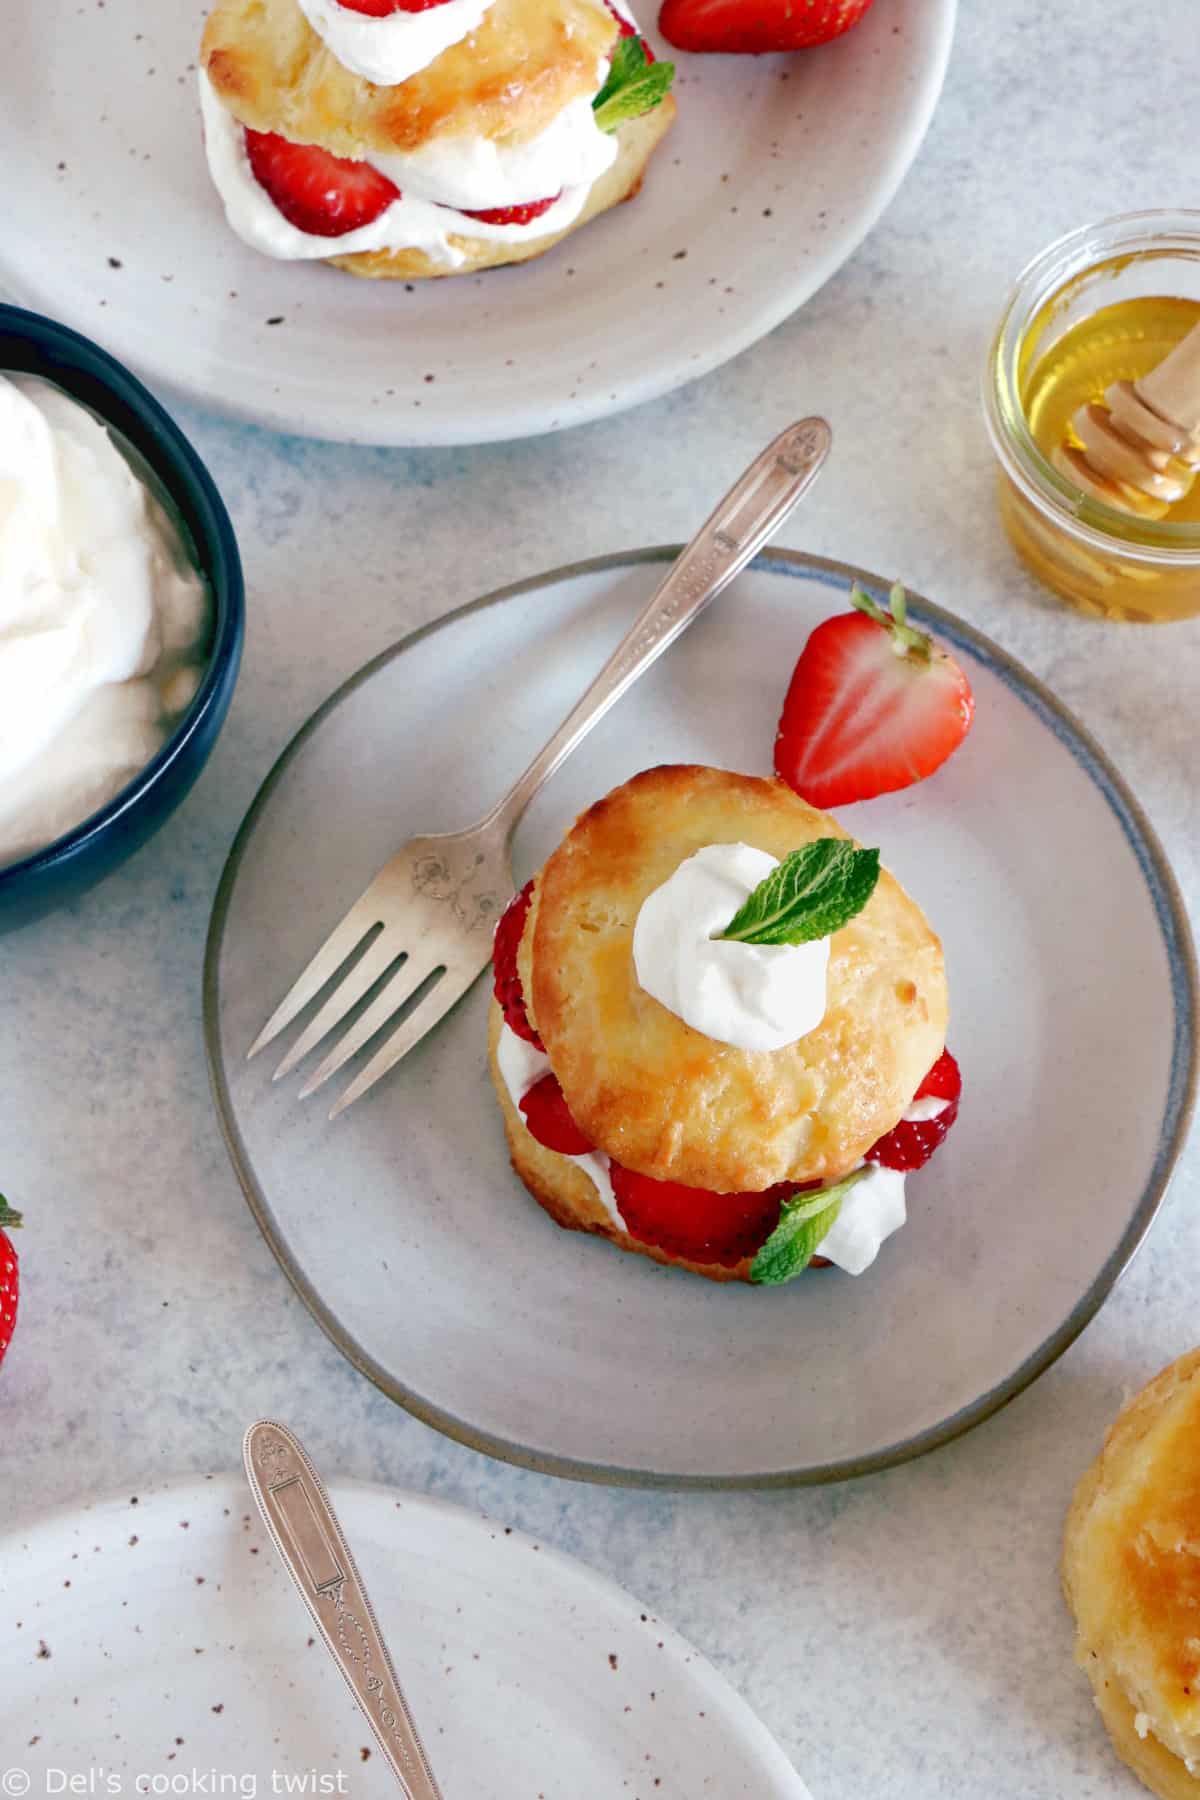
[[1105, 303]]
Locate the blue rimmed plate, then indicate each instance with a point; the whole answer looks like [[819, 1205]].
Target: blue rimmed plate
[[1073, 996]]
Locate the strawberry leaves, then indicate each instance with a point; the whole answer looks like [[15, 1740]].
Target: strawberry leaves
[[813, 893], [803, 1222], [635, 85], [9, 1219]]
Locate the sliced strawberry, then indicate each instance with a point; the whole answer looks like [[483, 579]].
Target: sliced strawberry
[[873, 705], [324, 195], [695, 1224], [549, 1121], [383, 9], [911, 1143], [515, 215], [9, 1276], [943, 1082], [507, 988], [756, 25]]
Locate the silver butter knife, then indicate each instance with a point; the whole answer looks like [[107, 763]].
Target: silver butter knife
[[306, 1533]]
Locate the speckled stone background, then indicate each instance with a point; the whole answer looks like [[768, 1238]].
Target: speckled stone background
[[903, 1635]]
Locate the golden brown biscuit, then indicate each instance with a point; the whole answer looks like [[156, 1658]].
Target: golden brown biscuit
[[565, 1191], [663, 1099], [1131, 1574], [508, 79], [636, 142]]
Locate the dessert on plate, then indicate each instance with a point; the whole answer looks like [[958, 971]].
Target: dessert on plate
[[1131, 1574], [735, 1107], [718, 1036], [403, 139]]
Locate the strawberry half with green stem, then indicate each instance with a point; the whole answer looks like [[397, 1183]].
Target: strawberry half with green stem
[[321, 194], [751, 26], [9, 1283], [873, 705]]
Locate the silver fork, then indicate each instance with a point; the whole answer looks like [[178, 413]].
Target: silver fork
[[432, 908]]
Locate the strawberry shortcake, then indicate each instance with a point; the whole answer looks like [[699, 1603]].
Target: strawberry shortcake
[[411, 138], [718, 1032]]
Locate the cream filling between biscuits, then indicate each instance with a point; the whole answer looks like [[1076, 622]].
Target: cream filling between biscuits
[[467, 171], [870, 1213]]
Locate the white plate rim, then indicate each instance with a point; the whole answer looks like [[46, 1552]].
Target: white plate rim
[[1179, 948], [191, 1491], [340, 423]]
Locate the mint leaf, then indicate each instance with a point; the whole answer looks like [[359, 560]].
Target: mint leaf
[[634, 86], [814, 892], [803, 1222]]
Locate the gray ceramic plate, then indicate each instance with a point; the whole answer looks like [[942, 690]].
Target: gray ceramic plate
[[190, 1657], [1073, 994]]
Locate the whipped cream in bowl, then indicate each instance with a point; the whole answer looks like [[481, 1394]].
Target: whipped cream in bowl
[[388, 49], [121, 614]]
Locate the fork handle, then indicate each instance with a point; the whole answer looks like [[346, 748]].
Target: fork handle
[[751, 512]]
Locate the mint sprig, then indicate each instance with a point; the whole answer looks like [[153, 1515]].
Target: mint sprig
[[814, 892], [803, 1222], [635, 85]]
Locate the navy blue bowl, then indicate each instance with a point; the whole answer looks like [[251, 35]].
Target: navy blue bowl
[[30, 344]]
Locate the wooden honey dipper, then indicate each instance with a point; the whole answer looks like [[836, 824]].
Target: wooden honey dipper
[[1141, 447]]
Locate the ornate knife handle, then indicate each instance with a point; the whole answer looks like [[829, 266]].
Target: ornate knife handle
[[306, 1533]]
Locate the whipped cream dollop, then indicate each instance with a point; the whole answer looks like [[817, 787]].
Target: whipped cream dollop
[[753, 996], [436, 183], [388, 50], [103, 619], [873, 1209]]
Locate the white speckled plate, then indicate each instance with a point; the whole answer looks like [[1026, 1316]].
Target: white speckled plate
[[772, 176], [1073, 1002], [152, 1641]]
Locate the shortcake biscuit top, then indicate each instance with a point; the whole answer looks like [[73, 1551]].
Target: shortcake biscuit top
[[660, 1097], [508, 80]]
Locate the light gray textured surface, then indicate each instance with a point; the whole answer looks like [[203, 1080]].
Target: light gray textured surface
[[904, 1635]]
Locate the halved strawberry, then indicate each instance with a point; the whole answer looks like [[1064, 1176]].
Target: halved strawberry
[[546, 1115], [324, 195], [911, 1143], [756, 25], [873, 705], [695, 1224], [507, 986], [514, 215], [383, 9]]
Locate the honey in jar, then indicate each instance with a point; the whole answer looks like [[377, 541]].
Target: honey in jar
[[1104, 305]]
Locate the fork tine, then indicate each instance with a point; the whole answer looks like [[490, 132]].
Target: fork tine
[[341, 942], [436, 1004], [361, 978], [401, 987]]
